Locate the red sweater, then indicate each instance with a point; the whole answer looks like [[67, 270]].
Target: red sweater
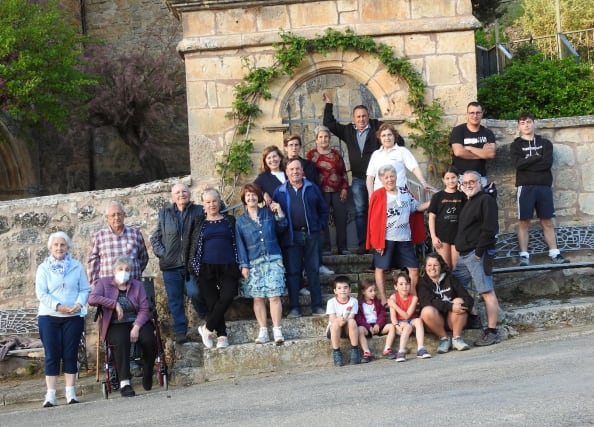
[[377, 220]]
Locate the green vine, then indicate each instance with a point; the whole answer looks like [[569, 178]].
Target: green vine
[[290, 52]]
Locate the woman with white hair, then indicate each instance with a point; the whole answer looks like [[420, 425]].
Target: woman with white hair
[[62, 289], [126, 319]]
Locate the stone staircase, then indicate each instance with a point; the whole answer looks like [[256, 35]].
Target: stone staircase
[[305, 347]]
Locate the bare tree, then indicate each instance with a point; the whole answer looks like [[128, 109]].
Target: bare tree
[[135, 90]]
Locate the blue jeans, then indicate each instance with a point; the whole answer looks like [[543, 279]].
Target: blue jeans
[[175, 285], [361, 201], [303, 254], [60, 337], [471, 274]]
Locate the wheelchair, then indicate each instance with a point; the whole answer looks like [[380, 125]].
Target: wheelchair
[[111, 382]]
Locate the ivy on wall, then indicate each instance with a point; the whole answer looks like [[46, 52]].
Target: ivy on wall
[[430, 135]]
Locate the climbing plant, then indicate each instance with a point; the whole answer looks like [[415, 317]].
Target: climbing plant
[[429, 133]]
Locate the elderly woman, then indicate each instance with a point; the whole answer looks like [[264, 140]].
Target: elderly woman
[[334, 185], [212, 257], [62, 289], [260, 259], [388, 229], [126, 319], [445, 304], [272, 174]]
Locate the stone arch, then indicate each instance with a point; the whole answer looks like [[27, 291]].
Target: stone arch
[[16, 166], [390, 92]]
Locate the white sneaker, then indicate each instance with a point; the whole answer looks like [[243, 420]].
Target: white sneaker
[[325, 270], [262, 336], [278, 335], [50, 400], [304, 291], [206, 336], [222, 342]]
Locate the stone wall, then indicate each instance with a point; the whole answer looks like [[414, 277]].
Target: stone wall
[[26, 224]]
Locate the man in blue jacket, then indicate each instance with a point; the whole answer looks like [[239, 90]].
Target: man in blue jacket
[[307, 214], [169, 240]]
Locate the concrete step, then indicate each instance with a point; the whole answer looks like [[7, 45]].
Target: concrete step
[[303, 353]]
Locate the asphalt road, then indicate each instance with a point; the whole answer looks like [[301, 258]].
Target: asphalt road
[[537, 379]]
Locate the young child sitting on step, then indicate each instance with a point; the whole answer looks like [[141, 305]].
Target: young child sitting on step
[[403, 312], [371, 320], [342, 310]]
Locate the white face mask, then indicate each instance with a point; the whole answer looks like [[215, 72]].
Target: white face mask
[[122, 277]]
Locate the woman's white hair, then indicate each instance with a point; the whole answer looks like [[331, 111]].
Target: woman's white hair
[[386, 168], [121, 260], [59, 235]]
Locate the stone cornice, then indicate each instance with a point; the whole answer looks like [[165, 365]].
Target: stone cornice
[[238, 41], [180, 6]]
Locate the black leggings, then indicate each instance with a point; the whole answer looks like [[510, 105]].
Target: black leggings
[[218, 287], [118, 337]]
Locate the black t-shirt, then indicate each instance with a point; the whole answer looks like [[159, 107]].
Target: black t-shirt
[[447, 207], [462, 135]]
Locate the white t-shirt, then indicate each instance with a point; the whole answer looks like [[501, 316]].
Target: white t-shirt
[[333, 306], [399, 157], [399, 206], [369, 312]]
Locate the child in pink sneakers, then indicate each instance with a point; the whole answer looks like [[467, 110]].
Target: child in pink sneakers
[[371, 320], [403, 312]]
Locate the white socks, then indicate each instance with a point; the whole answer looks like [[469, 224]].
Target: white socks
[[124, 383], [70, 394]]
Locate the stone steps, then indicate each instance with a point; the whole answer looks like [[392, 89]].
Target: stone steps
[[296, 353]]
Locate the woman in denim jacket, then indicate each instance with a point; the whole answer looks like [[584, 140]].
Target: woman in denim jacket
[[260, 259]]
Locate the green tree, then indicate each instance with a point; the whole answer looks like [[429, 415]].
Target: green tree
[[547, 87], [538, 18], [39, 58]]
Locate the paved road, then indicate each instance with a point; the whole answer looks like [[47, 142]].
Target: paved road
[[537, 379]]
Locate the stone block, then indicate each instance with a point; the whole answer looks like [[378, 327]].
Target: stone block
[[563, 156], [425, 9], [454, 97], [586, 203], [442, 70], [224, 66], [196, 91], [419, 45], [564, 199], [585, 134], [313, 14], [199, 24], [271, 18], [379, 10], [565, 179], [235, 21]]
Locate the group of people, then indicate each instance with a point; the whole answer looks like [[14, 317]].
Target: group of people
[[116, 260], [210, 256], [463, 223]]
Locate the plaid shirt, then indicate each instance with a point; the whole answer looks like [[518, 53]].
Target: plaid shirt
[[107, 246]]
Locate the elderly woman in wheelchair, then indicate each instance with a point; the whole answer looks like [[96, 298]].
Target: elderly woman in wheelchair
[[126, 319]]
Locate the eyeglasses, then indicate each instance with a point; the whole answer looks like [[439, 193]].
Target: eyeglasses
[[469, 183], [475, 113]]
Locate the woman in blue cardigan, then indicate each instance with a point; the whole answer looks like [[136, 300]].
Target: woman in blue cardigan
[[260, 259]]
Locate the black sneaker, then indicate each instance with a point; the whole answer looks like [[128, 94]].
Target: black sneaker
[[337, 357], [559, 260], [488, 338], [127, 391]]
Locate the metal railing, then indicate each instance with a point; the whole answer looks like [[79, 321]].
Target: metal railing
[[577, 44]]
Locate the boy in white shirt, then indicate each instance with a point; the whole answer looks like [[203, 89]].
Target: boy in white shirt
[[342, 310]]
